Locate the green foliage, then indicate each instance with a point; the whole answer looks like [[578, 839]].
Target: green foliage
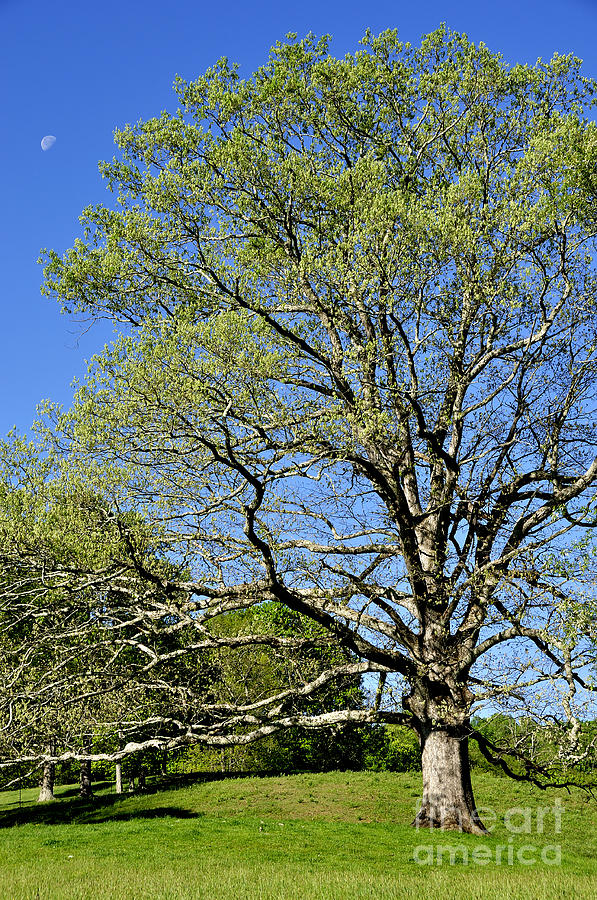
[[393, 748], [544, 743], [258, 671]]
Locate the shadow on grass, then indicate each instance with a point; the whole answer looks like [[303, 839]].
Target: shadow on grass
[[73, 791], [159, 812], [75, 811]]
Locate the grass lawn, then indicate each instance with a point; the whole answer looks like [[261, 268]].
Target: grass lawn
[[340, 835]]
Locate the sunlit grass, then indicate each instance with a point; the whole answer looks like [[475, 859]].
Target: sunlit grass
[[341, 835]]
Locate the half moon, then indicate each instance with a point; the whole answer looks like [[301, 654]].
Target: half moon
[[48, 142]]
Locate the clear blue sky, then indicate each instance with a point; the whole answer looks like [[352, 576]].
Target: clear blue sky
[[77, 70]]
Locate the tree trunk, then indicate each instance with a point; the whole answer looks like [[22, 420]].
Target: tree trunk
[[440, 707], [448, 800], [85, 789], [119, 778], [118, 767], [46, 789]]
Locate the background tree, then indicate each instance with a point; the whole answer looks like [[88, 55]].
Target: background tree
[[255, 673], [65, 673], [355, 376]]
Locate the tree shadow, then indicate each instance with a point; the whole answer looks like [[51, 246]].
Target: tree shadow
[[159, 812], [72, 792], [77, 811]]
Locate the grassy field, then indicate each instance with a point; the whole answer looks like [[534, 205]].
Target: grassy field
[[341, 835]]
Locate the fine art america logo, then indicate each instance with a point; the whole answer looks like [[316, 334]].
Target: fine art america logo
[[518, 820]]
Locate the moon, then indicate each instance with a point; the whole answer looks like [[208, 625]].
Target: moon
[[48, 142]]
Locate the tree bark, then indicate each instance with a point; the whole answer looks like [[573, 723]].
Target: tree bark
[[448, 800], [46, 789], [85, 789]]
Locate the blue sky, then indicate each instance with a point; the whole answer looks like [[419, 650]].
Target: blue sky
[[78, 70]]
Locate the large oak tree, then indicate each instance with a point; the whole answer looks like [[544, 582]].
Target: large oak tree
[[355, 375]]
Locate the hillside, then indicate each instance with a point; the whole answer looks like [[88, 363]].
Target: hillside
[[339, 835]]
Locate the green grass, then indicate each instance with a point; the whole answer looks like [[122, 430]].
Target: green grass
[[341, 835]]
